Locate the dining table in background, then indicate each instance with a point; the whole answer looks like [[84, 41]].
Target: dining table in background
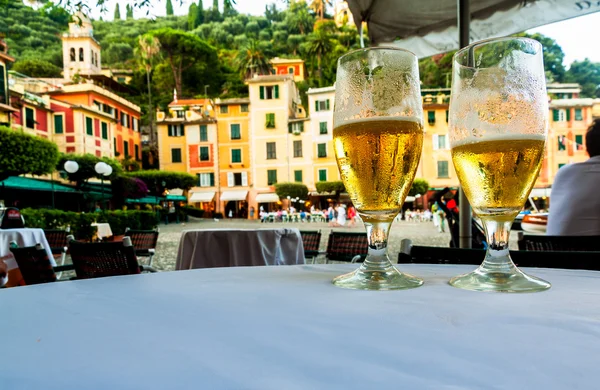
[[23, 237]]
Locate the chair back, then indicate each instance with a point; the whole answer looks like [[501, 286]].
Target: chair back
[[311, 240], [57, 239], [11, 218], [95, 260], [142, 240], [559, 243], [34, 264], [440, 255], [344, 246]]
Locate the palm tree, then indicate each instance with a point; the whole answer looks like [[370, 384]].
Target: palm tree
[[148, 48], [252, 60], [320, 44], [319, 7], [298, 18]]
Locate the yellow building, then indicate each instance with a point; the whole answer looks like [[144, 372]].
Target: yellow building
[[235, 158], [276, 114], [289, 66], [187, 142], [5, 109]]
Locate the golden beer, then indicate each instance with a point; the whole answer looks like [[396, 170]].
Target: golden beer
[[378, 159], [497, 175]]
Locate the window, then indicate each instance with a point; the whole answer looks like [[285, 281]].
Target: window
[[29, 118], [270, 121], [126, 149], [244, 108], [237, 178], [121, 79], [104, 127], [124, 119], [269, 92], [322, 174], [446, 116], [236, 155], [175, 131], [578, 142], [224, 109], [322, 127], [578, 114], [291, 70], [72, 54], [560, 165], [92, 56], [115, 146], [431, 117], [322, 105], [204, 153], [80, 54], [176, 155], [89, 126], [136, 153], [180, 114], [322, 150], [203, 133], [271, 151], [559, 115], [271, 176], [136, 124], [562, 142], [58, 124], [235, 131], [296, 127], [442, 168], [298, 148], [298, 176], [442, 141], [3, 89], [206, 179]]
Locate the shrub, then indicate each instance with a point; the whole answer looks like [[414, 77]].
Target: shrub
[[25, 153], [293, 190], [193, 212], [330, 186]]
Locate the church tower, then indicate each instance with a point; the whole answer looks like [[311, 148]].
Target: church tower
[[81, 51]]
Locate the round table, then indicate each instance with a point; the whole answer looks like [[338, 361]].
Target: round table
[[290, 328]]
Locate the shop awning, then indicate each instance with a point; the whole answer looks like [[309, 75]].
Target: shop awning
[[198, 197], [176, 198], [540, 192], [175, 191], [409, 199], [324, 193], [233, 195], [145, 200], [267, 198], [26, 183]]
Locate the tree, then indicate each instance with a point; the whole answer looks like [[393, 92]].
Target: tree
[[252, 60], [129, 11], [294, 41], [118, 53], [192, 16], [37, 68], [213, 13], [154, 180], [320, 43], [330, 186], [291, 190], [228, 9], [148, 48], [587, 74], [298, 19], [24, 153], [318, 6], [183, 50], [169, 8], [553, 56], [419, 186], [117, 12], [87, 167], [199, 14]]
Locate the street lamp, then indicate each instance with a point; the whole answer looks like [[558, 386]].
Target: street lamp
[[103, 169]]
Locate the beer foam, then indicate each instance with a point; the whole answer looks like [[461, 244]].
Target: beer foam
[[378, 119], [506, 137]]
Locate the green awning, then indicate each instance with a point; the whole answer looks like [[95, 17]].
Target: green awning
[[145, 199], [176, 198], [26, 183]]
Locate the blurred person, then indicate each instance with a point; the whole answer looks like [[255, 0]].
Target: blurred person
[[341, 217], [351, 215], [575, 196]]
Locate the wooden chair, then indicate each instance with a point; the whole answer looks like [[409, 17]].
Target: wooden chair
[[57, 239], [311, 240], [95, 260], [558, 243], [346, 246], [34, 264], [144, 242], [542, 259]]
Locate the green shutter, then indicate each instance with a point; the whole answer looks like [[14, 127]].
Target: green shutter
[[236, 156], [58, 124], [322, 150], [105, 131], [555, 116], [126, 148], [212, 179], [115, 146], [322, 174], [3, 88], [323, 127], [29, 121], [276, 92], [431, 117], [271, 176], [316, 105], [578, 114], [262, 92], [182, 130], [568, 114], [298, 176], [327, 104], [89, 126], [289, 127], [170, 130], [446, 116]]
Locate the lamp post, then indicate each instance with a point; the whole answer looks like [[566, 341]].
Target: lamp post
[[71, 167], [103, 169]]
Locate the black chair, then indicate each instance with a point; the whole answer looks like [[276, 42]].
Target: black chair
[[558, 243], [34, 264], [346, 246], [311, 240], [542, 259], [144, 242], [57, 239], [11, 218]]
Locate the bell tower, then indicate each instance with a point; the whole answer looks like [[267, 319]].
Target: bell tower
[[81, 51]]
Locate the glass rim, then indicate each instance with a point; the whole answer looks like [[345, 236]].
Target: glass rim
[[487, 41], [374, 48]]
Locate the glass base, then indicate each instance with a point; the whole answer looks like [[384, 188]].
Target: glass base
[[512, 281], [385, 278]]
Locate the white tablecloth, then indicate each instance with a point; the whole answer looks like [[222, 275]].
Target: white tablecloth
[[239, 247], [290, 328], [104, 230], [23, 237]]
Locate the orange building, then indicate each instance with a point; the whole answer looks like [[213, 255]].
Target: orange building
[[289, 66]]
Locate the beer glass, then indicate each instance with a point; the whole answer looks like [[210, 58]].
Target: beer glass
[[377, 138], [498, 125]]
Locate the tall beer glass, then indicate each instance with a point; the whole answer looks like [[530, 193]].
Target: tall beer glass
[[378, 137], [498, 129]]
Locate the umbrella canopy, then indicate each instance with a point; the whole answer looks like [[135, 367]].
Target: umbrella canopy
[[428, 27]]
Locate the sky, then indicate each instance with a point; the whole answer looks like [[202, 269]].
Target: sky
[[575, 36]]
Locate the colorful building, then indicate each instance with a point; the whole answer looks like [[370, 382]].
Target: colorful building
[[81, 51], [5, 108], [289, 66]]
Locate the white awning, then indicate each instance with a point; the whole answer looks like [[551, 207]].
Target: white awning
[[202, 197], [409, 199], [540, 192], [175, 191], [267, 198], [325, 193], [428, 27], [234, 195]]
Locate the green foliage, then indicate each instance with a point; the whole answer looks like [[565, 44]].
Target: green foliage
[[419, 186], [87, 164], [118, 53], [330, 186], [129, 11], [251, 60], [293, 190], [37, 68], [199, 13], [587, 74], [155, 179], [192, 16], [193, 212], [169, 8], [24, 153], [117, 15]]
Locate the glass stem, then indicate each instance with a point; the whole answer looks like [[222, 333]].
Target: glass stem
[[377, 235], [497, 258]]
